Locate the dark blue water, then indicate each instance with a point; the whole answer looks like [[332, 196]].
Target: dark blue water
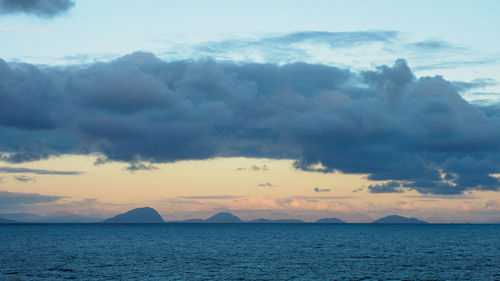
[[250, 252]]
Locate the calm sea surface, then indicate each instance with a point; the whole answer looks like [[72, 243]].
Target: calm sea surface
[[249, 252]]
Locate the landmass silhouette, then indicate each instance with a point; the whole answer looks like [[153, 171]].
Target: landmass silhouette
[[395, 219], [139, 215], [150, 215], [5, 221], [329, 220], [223, 218]]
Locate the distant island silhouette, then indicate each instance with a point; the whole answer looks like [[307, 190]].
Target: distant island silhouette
[[139, 215], [395, 219], [150, 215], [5, 221], [223, 218], [262, 220], [329, 220]]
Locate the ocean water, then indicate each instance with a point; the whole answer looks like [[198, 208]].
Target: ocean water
[[249, 252]]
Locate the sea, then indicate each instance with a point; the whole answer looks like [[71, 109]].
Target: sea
[[249, 252]]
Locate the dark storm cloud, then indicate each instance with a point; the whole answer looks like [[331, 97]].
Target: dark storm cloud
[[12, 170], [14, 199], [385, 122], [39, 8]]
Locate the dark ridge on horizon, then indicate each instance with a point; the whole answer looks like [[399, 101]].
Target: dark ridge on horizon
[[263, 220], [329, 220], [150, 215], [139, 215], [223, 217], [67, 218], [6, 221], [396, 219], [52, 218]]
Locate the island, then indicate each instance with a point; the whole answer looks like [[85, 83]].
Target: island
[[150, 215], [395, 219], [329, 220], [262, 220], [5, 221], [223, 218], [139, 215]]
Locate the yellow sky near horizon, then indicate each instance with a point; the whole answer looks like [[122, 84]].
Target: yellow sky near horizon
[[250, 187]]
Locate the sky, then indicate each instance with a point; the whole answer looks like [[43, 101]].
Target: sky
[[281, 109]]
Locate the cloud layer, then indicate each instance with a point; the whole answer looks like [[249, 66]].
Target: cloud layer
[[39, 8], [288, 40], [13, 199], [416, 132], [13, 170]]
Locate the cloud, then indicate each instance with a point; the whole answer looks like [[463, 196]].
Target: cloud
[[287, 47], [317, 189], [384, 122], [322, 197], [444, 64], [492, 204], [139, 166], [332, 39], [27, 205], [434, 45], [267, 184], [24, 178], [439, 196], [39, 8], [390, 187], [461, 86], [14, 199], [254, 168], [13, 170], [259, 168], [209, 197], [361, 49], [406, 206]]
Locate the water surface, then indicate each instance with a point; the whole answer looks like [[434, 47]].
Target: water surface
[[249, 252]]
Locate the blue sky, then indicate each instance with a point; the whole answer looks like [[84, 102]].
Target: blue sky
[[404, 95], [101, 30], [100, 26]]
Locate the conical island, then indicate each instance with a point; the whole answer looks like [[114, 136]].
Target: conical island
[[139, 215]]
